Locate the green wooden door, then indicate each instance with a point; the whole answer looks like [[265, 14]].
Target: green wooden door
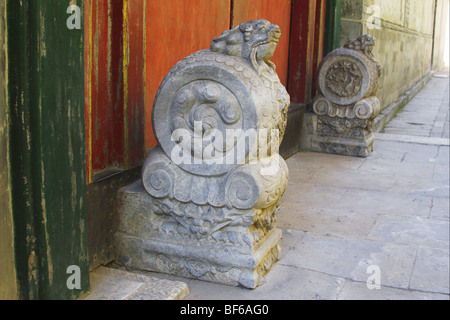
[[45, 60]]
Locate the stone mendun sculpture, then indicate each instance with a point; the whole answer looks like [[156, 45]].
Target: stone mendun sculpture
[[205, 207], [343, 113]]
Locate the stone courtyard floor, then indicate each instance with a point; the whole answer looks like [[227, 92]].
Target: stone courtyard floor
[[341, 215], [347, 221]]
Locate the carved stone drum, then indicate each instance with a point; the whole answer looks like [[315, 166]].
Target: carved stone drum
[[205, 207], [346, 76], [343, 113]]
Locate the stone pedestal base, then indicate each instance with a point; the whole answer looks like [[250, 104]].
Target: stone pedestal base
[[318, 137], [153, 240]]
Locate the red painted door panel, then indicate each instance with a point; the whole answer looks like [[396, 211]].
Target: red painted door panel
[[130, 45], [114, 85], [308, 20], [134, 66], [175, 29], [277, 12], [104, 99]]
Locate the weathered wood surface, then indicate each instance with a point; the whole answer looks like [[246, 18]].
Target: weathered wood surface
[[48, 178]]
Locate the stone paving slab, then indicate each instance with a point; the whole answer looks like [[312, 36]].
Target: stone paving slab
[[350, 258], [282, 283], [412, 139], [385, 203], [421, 187], [431, 270], [399, 150], [404, 168], [443, 156], [326, 221], [114, 284], [440, 172], [411, 230], [440, 209], [361, 180], [358, 291]]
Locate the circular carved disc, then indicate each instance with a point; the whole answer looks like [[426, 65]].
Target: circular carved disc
[[202, 99], [345, 77]]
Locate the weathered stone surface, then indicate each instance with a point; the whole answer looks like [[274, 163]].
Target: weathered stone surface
[[349, 258], [343, 114], [358, 291], [431, 270], [114, 284], [205, 207]]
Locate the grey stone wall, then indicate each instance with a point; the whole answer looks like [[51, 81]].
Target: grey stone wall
[[404, 33], [442, 34]]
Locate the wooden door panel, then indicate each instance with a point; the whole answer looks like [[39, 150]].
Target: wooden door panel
[[104, 86], [277, 12], [134, 67], [175, 29], [306, 47]]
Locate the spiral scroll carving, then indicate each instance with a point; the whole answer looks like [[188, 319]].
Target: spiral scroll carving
[[242, 190], [158, 179], [367, 108], [205, 108], [322, 106]]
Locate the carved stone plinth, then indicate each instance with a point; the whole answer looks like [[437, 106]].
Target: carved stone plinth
[[205, 207], [342, 115]]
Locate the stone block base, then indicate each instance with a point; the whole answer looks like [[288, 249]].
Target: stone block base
[[355, 143], [341, 146], [239, 254]]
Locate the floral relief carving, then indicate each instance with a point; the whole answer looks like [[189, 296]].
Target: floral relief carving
[[344, 79]]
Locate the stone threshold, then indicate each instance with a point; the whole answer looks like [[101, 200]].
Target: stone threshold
[[391, 111], [114, 284]]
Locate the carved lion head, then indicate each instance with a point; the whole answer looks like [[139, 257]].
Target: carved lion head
[[254, 40], [364, 43]]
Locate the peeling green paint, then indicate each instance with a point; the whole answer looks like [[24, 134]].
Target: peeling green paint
[[8, 286], [332, 25], [46, 103]]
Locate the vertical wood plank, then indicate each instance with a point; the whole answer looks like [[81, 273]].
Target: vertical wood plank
[[175, 29], [318, 42], [117, 120], [277, 12], [302, 51], [135, 124], [8, 287], [332, 25], [88, 14], [104, 84], [101, 95]]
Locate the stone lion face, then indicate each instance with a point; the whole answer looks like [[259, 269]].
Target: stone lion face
[[263, 35], [254, 40]]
